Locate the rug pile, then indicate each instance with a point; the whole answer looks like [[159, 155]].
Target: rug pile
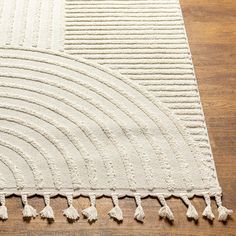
[[99, 98]]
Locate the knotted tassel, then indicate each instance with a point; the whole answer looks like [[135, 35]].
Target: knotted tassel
[[47, 211], [208, 211], [139, 213], [224, 213], [3, 208], [116, 212], [71, 213], [91, 212], [165, 211], [191, 212], [28, 211]]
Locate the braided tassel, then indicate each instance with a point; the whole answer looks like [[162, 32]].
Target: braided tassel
[[47, 211], [3, 208], [28, 211], [115, 212], [191, 212], [208, 211], [91, 212], [139, 213], [224, 213], [165, 211], [71, 213]]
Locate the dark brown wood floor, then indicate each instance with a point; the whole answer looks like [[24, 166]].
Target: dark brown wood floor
[[211, 28]]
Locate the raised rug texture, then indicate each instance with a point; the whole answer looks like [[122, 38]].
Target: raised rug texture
[[99, 97]]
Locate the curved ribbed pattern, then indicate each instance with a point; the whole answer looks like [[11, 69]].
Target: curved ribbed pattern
[[75, 126]]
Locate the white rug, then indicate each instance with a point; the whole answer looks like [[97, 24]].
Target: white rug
[[99, 97]]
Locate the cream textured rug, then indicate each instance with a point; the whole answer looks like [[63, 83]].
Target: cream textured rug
[[99, 97]]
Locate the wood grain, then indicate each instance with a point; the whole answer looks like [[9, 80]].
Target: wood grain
[[211, 28]]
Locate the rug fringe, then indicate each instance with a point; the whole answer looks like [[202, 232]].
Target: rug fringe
[[208, 211], [165, 211], [91, 212], [139, 213], [224, 213], [3, 208], [116, 212], [47, 211], [71, 213], [28, 211], [191, 212]]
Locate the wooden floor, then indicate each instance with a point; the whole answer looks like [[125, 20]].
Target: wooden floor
[[211, 28]]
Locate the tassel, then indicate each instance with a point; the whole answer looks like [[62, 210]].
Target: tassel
[[165, 211], [71, 213], [91, 212], [47, 211], [139, 213], [28, 211], [191, 212], [208, 211], [116, 212], [3, 208], [224, 213]]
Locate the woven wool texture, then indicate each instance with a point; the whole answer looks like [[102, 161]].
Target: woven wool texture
[[99, 97]]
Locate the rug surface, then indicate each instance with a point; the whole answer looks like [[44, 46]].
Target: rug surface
[[99, 97]]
